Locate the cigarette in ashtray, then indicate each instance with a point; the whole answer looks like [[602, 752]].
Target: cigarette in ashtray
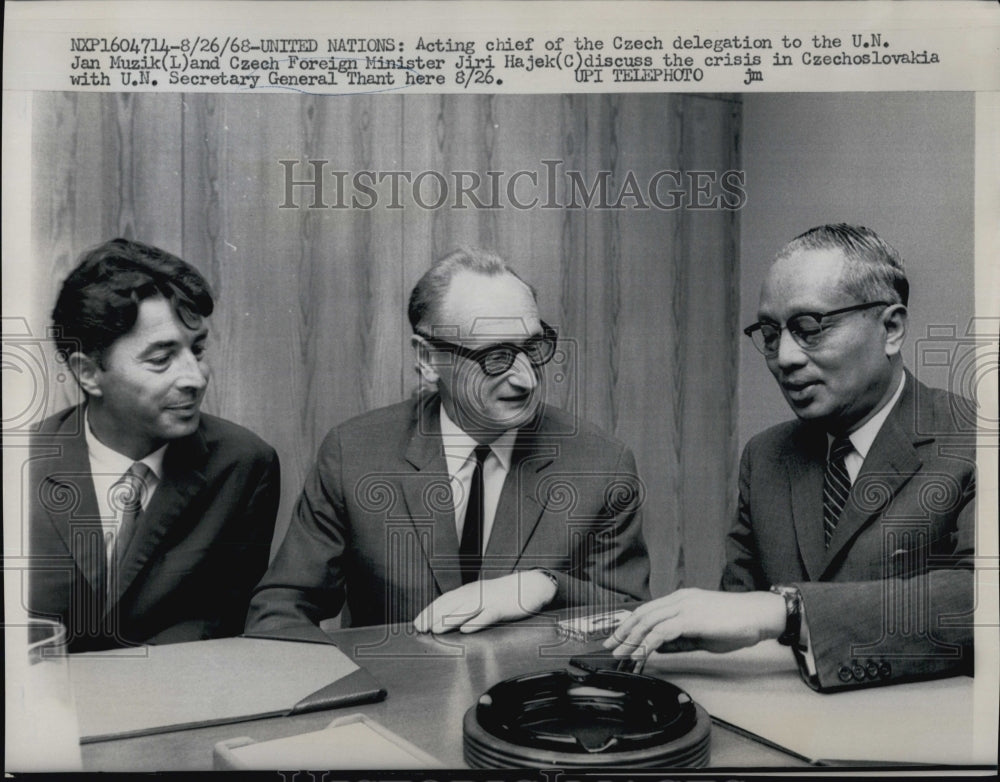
[[592, 627]]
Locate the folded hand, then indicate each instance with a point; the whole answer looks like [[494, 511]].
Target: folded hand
[[480, 604]]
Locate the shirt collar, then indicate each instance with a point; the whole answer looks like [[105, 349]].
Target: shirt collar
[[863, 437], [107, 460], [458, 444]]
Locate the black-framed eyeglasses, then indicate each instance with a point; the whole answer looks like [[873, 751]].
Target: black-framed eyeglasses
[[498, 357], [806, 328]]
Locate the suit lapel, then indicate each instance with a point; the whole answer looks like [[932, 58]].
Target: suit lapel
[[805, 463], [891, 463], [428, 495], [519, 508], [80, 524], [183, 477]]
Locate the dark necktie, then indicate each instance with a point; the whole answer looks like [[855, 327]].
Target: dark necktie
[[470, 549], [127, 493], [836, 485]]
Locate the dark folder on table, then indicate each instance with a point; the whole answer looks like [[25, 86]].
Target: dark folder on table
[[155, 689]]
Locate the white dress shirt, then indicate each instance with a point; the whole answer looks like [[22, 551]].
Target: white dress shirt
[[459, 454], [107, 467]]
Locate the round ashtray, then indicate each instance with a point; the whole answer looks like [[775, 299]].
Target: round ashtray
[[558, 718]]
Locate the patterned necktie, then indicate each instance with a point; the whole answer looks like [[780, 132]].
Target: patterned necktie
[[836, 485], [127, 494], [470, 549]]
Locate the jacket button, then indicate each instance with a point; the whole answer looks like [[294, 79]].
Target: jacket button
[[872, 668], [886, 670], [844, 674], [859, 672]]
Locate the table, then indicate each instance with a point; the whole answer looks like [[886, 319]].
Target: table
[[432, 681]]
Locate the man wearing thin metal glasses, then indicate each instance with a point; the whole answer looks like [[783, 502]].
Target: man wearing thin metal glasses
[[472, 504], [855, 532]]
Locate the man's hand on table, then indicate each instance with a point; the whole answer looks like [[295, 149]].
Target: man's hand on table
[[481, 604], [699, 619]]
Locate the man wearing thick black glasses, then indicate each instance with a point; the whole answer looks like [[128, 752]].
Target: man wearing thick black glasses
[[855, 532], [473, 503]]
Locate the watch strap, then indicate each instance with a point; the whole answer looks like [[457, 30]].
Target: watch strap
[[793, 613]]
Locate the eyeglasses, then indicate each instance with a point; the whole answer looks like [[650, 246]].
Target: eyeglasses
[[497, 358], [806, 328]]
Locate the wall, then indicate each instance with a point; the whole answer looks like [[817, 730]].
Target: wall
[[310, 328], [901, 164]]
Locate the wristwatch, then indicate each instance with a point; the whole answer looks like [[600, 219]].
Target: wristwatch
[[793, 613]]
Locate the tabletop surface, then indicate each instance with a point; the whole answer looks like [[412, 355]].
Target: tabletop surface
[[432, 681]]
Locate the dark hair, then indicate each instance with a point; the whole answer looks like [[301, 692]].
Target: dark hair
[[874, 270], [432, 287], [99, 300]]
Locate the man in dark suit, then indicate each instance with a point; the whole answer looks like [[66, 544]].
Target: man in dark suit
[[859, 516], [468, 506], [149, 521]]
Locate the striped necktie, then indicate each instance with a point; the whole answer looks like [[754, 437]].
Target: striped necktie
[[836, 485]]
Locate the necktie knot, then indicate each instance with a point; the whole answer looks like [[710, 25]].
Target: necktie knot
[[482, 453], [129, 492], [840, 447]]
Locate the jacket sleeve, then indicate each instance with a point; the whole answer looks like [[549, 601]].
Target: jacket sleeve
[[240, 555], [895, 629], [305, 582]]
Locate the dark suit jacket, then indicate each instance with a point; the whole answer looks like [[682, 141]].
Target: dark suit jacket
[[892, 597], [200, 545], [376, 520]]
